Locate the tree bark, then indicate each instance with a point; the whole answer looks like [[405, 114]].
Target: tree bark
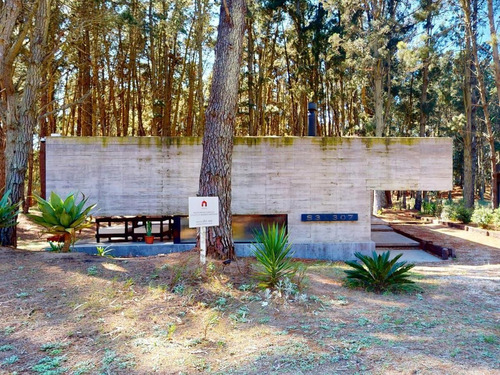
[[190, 100], [200, 7], [20, 132], [379, 197], [494, 47], [471, 101], [252, 131], [423, 97], [86, 84], [484, 100], [215, 173], [469, 136], [9, 11]]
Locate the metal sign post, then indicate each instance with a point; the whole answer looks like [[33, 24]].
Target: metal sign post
[[203, 245], [203, 213]]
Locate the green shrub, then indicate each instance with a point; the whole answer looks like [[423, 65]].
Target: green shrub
[[8, 211], [273, 252], [483, 216], [495, 220], [432, 208], [456, 211], [464, 214], [377, 273], [62, 217]]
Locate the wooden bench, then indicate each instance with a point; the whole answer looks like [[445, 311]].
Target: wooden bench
[[133, 228]]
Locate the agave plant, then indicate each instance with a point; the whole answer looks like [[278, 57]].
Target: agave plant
[[8, 211], [62, 217], [273, 252], [378, 273]]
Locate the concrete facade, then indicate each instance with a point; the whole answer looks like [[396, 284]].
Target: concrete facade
[[271, 175]]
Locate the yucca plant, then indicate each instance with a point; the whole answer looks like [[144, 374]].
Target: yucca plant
[[62, 217], [102, 251], [8, 211], [378, 273], [273, 252]]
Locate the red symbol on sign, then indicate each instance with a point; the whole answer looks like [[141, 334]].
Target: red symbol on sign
[[204, 204]]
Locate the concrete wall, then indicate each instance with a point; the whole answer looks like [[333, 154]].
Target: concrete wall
[[152, 175]]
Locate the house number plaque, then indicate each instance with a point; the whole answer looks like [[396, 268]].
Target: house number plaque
[[329, 217]]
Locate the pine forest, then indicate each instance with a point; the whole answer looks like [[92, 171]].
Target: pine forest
[[409, 68]]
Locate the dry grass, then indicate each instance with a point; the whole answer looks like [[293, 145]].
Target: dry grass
[[80, 314]]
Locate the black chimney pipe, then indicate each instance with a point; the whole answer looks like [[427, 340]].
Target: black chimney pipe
[[311, 130]]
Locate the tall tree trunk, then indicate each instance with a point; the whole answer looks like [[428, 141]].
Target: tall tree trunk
[[379, 197], [29, 190], [180, 81], [378, 79], [484, 101], [494, 47], [86, 84], [215, 173], [170, 64], [471, 102], [201, 6], [8, 102], [423, 98], [469, 136], [190, 100], [20, 132], [155, 94], [293, 104], [252, 131]]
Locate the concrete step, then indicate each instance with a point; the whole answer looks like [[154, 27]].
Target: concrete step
[[377, 220], [381, 228], [393, 239], [411, 255]]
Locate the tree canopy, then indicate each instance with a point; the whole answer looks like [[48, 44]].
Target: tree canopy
[[144, 67]]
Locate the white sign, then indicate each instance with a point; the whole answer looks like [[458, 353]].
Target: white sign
[[203, 212]]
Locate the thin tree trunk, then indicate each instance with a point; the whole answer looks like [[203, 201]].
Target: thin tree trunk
[[469, 137], [484, 102], [471, 101], [201, 6], [379, 99], [252, 131], [379, 200], [190, 100], [29, 190], [170, 64], [155, 95], [215, 174], [423, 97], [293, 104], [86, 84], [494, 47], [185, 66]]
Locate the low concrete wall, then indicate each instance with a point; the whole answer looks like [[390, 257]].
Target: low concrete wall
[[271, 175], [331, 252]]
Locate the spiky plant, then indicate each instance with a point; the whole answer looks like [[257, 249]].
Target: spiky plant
[[378, 273], [62, 217], [149, 228], [8, 211], [273, 252]]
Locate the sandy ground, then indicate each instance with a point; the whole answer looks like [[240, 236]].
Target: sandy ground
[[80, 314]]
